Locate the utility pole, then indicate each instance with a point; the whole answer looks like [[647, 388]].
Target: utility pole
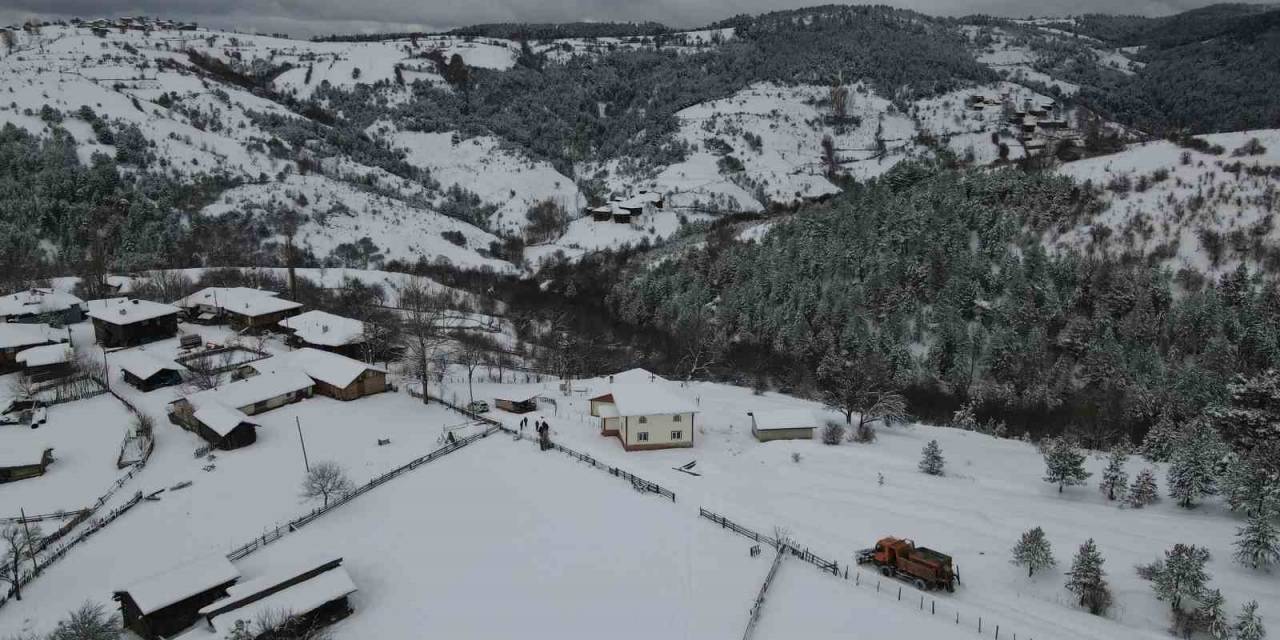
[[305, 463], [30, 550]]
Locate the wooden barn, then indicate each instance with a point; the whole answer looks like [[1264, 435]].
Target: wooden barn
[[783, 425], [16, 338], [43, 306], [315, 593], [125, 322], [20, 465], [224, 428], [325, 331], [48, 362], [601, 214], [517, 406], [145, 372], [334, 375], [166, 603], [241, 308]]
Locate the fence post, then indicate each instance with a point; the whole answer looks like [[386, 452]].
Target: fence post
[[979, 625], [933, 609], [997, 632], [899, 594]]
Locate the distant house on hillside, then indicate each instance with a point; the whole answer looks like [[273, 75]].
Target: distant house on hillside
[[326, 331], [20, 464], [601, 214], [783, 425], [16, 338], [146, 372], [240, 308], [125, 322], [644, 414], [335, 375], [166, 603], [41, 305], [315, 593]]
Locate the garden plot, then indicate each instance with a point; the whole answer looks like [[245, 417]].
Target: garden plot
[[86, 436], [502, 541]]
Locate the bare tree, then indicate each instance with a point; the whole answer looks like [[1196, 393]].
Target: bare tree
[[324, 480], [424, 315], [279, 624], [705, 345], [860, 387], [18, 542], [89, 622], [144, 426], [22, 387], [471, 354]]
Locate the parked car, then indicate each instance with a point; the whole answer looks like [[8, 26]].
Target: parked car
[[478, 406]]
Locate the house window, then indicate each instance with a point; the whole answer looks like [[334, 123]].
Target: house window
[[677, 435], [677, 418], [644, 419], [642, 436]]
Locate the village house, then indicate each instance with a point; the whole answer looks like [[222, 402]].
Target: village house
[[126, 322], [166, 603], [21, 464], [48, 306], [241, 308], [644, 414], [146, 372], [793, 424], [220, 415], [47, 362], [315, 593], [16, 338], [335, 375], [325, 331]]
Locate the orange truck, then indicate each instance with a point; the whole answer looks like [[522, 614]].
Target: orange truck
[[922, 567]]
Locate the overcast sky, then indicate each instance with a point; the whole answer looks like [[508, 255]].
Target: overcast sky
[[308, 17]]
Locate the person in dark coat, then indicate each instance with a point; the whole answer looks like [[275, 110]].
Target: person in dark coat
[[544, 435]]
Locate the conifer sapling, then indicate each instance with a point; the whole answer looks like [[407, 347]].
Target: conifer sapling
[[1033, 551], [931, 460]]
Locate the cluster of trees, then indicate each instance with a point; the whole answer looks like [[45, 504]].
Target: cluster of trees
[[937, 280]]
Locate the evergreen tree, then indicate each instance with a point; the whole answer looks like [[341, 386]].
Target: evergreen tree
[[1258, 542], [1248, 624], [1033, 551], [1162, 439], [1143, 491], [1180, 575], [931, 460], [1087, 581], [1064, 464], [1193, 471], [1114, 478], [1210, 617]]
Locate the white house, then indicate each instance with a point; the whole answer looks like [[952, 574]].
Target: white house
[[645, 412]]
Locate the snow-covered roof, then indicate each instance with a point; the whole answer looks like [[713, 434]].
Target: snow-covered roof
[[648, 398], [325, 329], [636, 375], [45, 356], [22, 456], [37, 301], [330, 368], [179, 583], [300, 599], [142, 364], [14, 335], [239, 300], [128, 310], [279, 574], [785, 419], [220, 419], [244, 393]]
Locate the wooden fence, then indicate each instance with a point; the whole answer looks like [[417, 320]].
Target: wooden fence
[[193, 360], [638, 483], [754, 617], [305, 519], [893, 588]]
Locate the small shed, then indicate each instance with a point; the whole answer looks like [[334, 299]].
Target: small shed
[[146, 372], [313, 591], [47, 362], [517, 406], [22, 464], [224, 428], [787, 424], [168, 602]]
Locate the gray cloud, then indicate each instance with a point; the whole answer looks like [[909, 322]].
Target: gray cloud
[[308, 17]]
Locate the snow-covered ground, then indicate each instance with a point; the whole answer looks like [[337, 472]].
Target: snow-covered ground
[[1167, 202]]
